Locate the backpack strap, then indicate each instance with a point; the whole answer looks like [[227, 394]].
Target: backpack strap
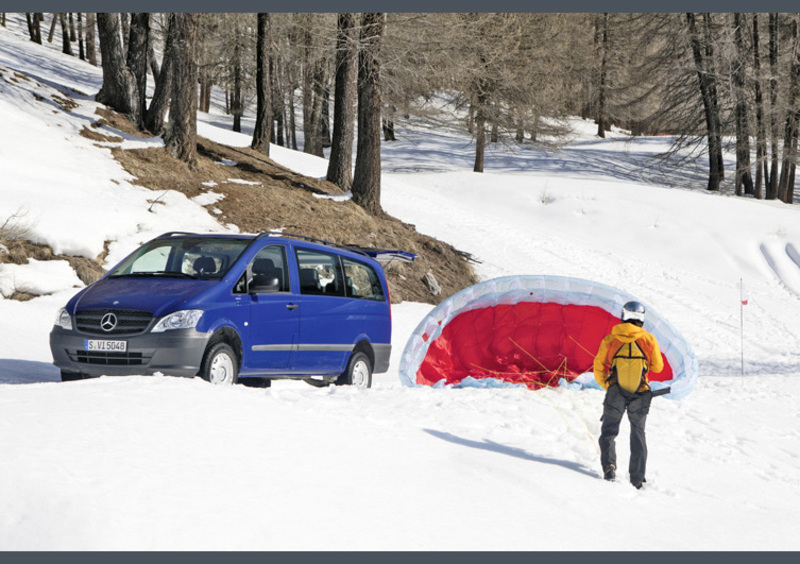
[[638, 353], [630, 350]]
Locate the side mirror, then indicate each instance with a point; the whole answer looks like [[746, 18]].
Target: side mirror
[[263, 285]]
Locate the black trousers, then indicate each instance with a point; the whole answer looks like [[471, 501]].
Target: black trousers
[[637, 405]]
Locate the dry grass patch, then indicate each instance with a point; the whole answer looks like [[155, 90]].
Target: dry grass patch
[[119, 122], [65, 102], [99, 137], [20, 250]]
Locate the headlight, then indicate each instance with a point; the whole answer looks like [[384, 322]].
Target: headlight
[[64, 319], [184, 319]]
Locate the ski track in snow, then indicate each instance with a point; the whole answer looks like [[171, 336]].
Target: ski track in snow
[[785, 263]]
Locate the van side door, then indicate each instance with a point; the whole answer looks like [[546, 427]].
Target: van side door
[[272, 332], [325, 341], [374, 318]]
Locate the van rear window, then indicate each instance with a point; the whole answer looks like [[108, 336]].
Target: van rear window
[[183, 257]]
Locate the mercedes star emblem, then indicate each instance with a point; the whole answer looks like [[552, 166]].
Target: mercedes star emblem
[[108, 322]]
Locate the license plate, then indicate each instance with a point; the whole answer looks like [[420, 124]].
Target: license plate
[[105, 346]]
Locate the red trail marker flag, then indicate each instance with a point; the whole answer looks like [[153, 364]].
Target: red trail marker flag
[[744, 297], [745, 293]]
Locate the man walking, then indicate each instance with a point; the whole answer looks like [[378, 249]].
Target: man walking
[[624, 359]]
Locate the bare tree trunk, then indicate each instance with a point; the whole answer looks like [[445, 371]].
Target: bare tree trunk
[[152, 61], [81, 50], [388, 130], [181, 135], [119, 89], [761, 132], [277, 101], [280, 138], [237, 104], [602, 23], [292, 124], [313, 144], [66, 45], [703, 58], [325, 116], [52, 28], [91, 53], [263, 127], [72, 35], [789, 162], [742, 179], [309, 123], [126, 31], [480, 137], [34, 26], [340, 163], [137, 62], [367, 176], [481, 109], [772, 187], [206, 83], [154, 118]]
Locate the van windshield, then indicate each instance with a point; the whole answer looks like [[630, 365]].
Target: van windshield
[[183, 257]]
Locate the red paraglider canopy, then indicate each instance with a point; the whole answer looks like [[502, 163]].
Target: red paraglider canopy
[[531, 343]]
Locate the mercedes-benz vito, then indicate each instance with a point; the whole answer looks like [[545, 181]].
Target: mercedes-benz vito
[[230, 308]]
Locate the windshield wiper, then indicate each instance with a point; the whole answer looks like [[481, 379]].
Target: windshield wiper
[[178, 275]]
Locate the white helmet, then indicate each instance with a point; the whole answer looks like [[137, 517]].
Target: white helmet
[[633, 312]]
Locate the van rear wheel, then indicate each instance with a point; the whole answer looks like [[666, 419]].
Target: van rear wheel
[[220, 365], [358, 372]]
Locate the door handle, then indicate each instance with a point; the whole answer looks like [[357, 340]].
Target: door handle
[[292, 306]]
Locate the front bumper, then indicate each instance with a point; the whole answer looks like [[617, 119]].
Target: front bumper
[[172, 353]]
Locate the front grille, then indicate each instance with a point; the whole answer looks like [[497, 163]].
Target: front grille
[[129, 321], [109, 358]]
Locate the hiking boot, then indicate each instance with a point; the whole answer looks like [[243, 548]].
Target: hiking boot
[[609, 473]]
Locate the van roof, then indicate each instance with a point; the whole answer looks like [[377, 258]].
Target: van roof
[[381, 255]]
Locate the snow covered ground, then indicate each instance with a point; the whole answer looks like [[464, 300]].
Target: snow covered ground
[[158, 463]]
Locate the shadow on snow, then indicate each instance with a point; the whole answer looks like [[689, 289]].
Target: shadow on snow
[[492, 446], [13, 371]]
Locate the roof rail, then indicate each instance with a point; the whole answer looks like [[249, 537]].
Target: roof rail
[[306, 238], [171, 233], [382, 255]]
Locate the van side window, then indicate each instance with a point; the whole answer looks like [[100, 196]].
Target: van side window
[[320, 273], [269, 264], [361, 281]]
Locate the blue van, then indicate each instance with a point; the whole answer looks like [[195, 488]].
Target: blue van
[[231, 308]]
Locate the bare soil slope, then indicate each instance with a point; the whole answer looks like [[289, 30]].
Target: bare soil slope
[[275, 197]]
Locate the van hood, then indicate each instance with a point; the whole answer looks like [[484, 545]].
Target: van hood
[[158, 296]]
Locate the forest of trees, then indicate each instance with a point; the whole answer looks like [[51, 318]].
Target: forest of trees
[[715, 81]]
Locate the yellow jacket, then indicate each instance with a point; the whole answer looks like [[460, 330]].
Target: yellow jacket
[[621, 334]]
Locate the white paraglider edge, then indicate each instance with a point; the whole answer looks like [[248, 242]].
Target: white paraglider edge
[[549, 289]]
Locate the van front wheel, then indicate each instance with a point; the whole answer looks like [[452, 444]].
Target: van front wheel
[[220, 365], [358, 372]]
